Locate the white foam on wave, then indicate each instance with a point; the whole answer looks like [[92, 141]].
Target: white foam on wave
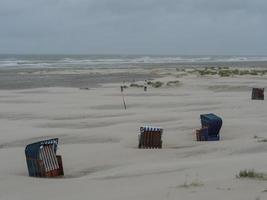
[[90, 61]]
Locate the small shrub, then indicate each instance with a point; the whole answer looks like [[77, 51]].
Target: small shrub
[[136, 85], [244, 72], [253, 72], [206, 71], [201, 72], [156, 84], [262, 140], [235, 72], [192, 71], [225, 73], [193, 184], [210, 72], [173, 83], [251, 174]]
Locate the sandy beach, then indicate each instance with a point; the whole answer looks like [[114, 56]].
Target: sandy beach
[[98, 140], [105, 100]]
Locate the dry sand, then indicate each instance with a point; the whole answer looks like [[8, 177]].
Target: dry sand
[[98, 141]]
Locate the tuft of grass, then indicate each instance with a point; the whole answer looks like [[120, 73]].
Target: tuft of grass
[[244, 72], [201, 72], [156, 84], [136, 85], [225, 73], [84, 88], [192, 184], [211, 71], [207, 71], [235, 72], [250, 72], [252, 174], [253, 72], [262, 140]]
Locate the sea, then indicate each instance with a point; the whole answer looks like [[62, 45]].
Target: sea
[[36, 71]]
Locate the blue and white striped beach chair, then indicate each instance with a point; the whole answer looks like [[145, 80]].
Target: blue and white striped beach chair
[[42, 160]]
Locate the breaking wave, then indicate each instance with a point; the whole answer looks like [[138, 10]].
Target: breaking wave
[[95, 61]]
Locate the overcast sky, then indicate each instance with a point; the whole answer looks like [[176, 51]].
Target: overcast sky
[[199, 27]]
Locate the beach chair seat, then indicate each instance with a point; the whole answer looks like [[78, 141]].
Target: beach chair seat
[[202, 134], [257, 94], [42, 160], [150, 137], [210, 130]]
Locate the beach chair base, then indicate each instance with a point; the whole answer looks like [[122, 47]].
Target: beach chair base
[[149, 146], [257, 94], [37, 169], [202, 134], [150, 140]]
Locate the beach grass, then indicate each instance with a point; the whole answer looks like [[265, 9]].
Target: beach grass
[[156, 84], [173, 83], [136, 85], [227, 71], [262, 140], [192, 184], [252, 174]]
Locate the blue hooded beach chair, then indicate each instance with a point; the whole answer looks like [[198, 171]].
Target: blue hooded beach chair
[[211, 126], [42, 160]]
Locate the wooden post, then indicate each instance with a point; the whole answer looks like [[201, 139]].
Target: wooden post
[[124, 104], [145, 88]]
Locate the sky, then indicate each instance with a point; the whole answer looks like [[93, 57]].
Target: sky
[[164, 27]]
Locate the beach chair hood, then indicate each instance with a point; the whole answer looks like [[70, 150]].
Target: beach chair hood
[[212, 122], [33, 150]]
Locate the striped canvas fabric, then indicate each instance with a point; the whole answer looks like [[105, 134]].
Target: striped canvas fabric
[[149, 128], [48, 156]]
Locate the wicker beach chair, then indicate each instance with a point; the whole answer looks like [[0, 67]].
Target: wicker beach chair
[[42, 160], [150, 137], [257, 94]]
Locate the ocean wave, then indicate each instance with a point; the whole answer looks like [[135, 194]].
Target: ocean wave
[[89, 61]]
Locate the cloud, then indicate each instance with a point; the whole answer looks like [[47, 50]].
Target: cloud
[[126, 26]]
